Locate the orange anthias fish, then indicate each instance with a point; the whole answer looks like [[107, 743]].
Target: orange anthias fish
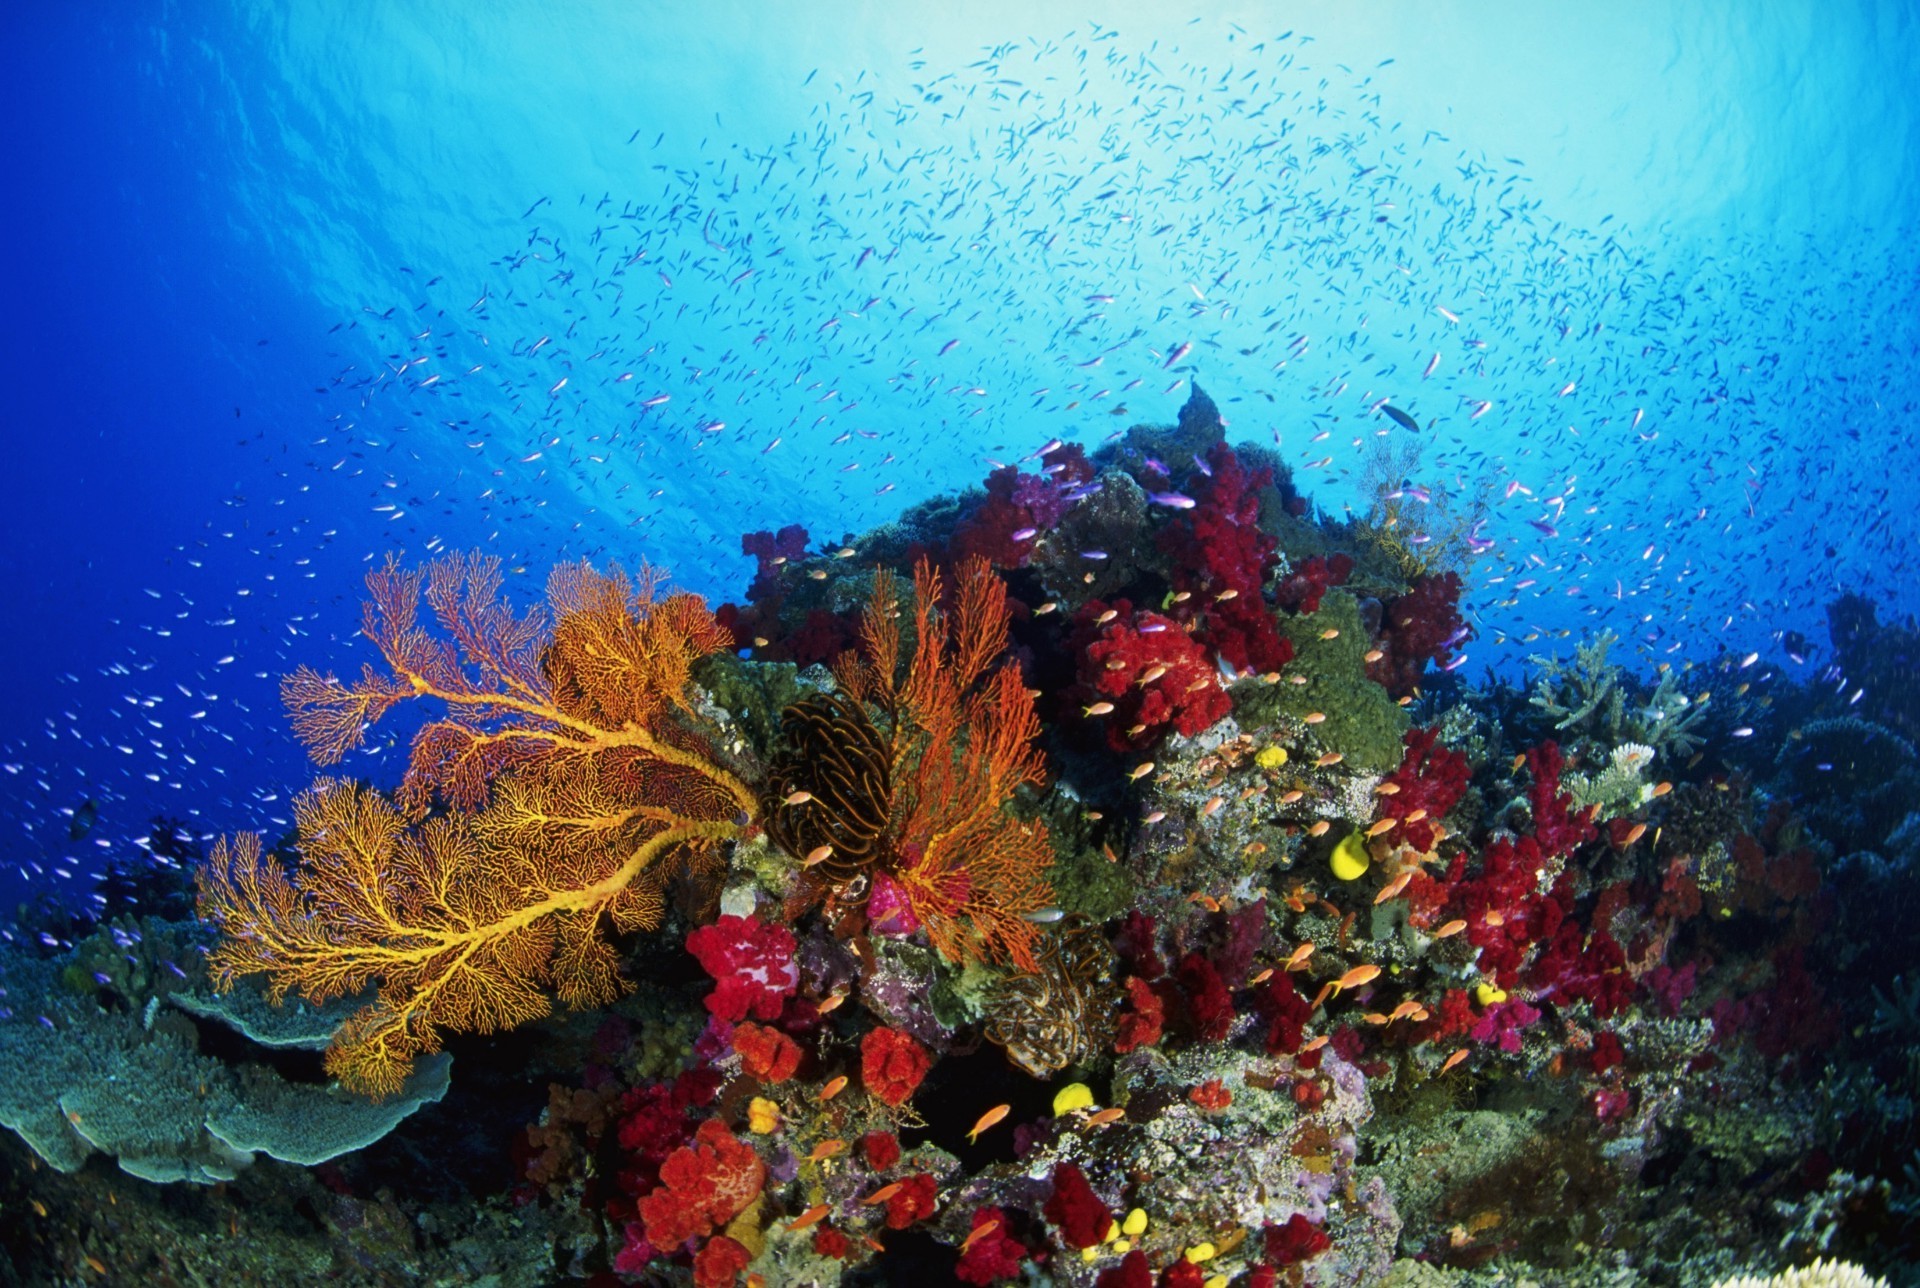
[[833, 1088], [980, 1232], [1453, 927], [1105, 1116], [882, 1194], [1394, 887], [987, 1120], [1356, 977], [824, 1150], [1454, 1059], [1298, 957], [809, 1218]]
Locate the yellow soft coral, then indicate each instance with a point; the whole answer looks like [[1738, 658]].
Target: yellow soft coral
[[574, 770]]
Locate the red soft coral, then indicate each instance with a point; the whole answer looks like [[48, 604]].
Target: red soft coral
[[1019, 503], [1209, 1004], [766, 1054], [1075, 1210], [1431, 780], [1132, 1272], [1154, 675], [1183, 1274], [719, 1263], [1296, 1241], [829, 1242], [751, 963], [913, 1201], [990, 1256], [1301, 590], [882, 1149], [1286, 1012], [1222, 559], [1417, 628], [1142, 1025], [702, 1187], [892, 1065]]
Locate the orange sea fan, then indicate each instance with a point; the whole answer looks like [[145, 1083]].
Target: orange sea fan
[[963, 742], [575, 767]]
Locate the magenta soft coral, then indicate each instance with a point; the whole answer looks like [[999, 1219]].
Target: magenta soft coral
[[751, 963], [1222, 559], [1151, 671], [1431, 779], [1017, 502]]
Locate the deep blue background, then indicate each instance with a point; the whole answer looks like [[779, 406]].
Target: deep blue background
[[224, 220]]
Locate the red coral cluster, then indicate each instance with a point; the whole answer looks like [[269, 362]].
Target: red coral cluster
[[990, 1253], [1295, 1241], [1209, 1006], [1301, 590], [1019, 504], [892, 1065], [1143, 1024], [1506, 912], [1286, 1011], [1222, 559], [1418, 627], [702, 1187], [751, 962], [765, 1053], [1075, 1210], [913, 1201], [1431, 780], [1154, 675]]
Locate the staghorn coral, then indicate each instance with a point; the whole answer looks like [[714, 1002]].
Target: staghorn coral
[[573, 771], [961, 741]]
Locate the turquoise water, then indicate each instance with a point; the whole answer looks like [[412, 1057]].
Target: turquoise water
[[294, 288]]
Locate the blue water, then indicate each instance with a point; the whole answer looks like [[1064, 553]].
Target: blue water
[[293, 286]]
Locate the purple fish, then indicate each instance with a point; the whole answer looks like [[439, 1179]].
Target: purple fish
[[1202, 466], [1093, 554], [1546, 529], [1158, 466], [1176, 500], [1025, 534]]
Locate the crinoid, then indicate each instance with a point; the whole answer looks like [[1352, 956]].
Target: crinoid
[[1063, 1012], [840, 763]]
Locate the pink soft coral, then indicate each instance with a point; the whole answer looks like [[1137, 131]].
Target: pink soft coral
[[751, 963]]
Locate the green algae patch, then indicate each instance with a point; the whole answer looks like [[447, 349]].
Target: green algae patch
[[1363, 722]]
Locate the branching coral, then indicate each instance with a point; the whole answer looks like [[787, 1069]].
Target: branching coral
[[576, 777]]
